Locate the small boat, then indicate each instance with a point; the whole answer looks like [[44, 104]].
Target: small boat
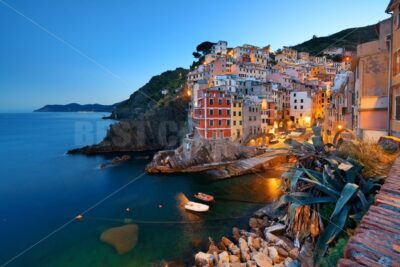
[[79, 217], [198, 207], [204, 197]]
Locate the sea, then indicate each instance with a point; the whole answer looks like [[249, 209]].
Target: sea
[[43, 189]]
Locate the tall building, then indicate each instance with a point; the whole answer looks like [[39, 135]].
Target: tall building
[[371, 86], [301, 108], [394, 9]]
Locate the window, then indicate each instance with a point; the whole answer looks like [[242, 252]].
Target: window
[[295, 107], [228, 102], [211, 112], [396, 63], [295, 101], [219, 101], [219, 122], [397, 107], [219, 111], [249, 118], [211, 122], [301, 101], [240, 122], [234, 122], [234, 105], [301, 107], [234, 113], [294, 94], [211, 101], [240, 113], [228, 112], [228, 122]]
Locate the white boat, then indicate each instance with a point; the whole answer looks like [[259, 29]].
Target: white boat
[[198, 207]]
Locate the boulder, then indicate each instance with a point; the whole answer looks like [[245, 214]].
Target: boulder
[[123, 238], [223, 257], [282, 252], [251, 264], [306, 254], [236, 233], [203, 259], [253, 223], [273, 253], [234, 258], [262, 260], [389, 143], [244, 249], [234, 250], [226, 241]]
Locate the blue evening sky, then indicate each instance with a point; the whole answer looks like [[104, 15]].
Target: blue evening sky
[[130, 41]]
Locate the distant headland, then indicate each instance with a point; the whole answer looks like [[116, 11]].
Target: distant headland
[[74, 107]]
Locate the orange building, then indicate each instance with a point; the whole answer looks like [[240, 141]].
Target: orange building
[[212, 116]]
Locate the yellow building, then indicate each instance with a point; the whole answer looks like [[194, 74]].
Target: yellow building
[[237, 120]]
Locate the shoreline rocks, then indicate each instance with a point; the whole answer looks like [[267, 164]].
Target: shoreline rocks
[[265, 244]]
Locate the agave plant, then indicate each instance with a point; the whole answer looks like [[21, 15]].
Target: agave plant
[[322, 177]]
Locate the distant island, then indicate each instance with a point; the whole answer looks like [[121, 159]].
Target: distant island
[[74, 107]]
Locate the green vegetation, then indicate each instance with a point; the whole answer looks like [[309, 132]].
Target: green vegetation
[[348, 39], [151, 93], [330, 187], [201, 50]]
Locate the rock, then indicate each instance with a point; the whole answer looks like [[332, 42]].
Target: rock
[[254, 242], [294, 253], [221, 246], [212, 247], [251, 264], [279, 265], [244, 249], [247, 234], [234, 258], [253, 223], [273, 253], [389, 143], [237, 264], [282, 252], [203, 259], [123, 238], [234, 250], [262, 260], [236, 233], [226, 241], [223, 258], [275, 229], [277, 241]]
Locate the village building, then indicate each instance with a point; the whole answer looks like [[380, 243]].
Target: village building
[[394, 9], [371, 86], [301, 108]]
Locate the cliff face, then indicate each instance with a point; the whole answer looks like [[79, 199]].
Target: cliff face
[[149, 119], [195, 152]]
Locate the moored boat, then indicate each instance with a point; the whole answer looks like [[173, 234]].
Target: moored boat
[[198, 207], [204, 197]]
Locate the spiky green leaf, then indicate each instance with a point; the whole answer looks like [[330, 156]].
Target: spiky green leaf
[[347, 193]]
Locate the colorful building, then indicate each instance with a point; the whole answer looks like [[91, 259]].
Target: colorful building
[[212, 114]]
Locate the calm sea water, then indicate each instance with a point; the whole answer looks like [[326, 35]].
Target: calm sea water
[[41, 189]]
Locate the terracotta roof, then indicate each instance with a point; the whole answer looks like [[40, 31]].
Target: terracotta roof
[[376, 241]]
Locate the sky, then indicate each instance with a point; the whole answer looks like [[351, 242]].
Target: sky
[[58, 52]]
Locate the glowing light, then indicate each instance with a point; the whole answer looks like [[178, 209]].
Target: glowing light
[[189, 92], [340, 127]]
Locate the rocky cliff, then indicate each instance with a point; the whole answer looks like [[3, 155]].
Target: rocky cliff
[[195, 152], [149, 119]]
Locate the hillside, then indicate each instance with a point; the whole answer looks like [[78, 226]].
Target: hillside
[[150, 94], [348, 39], [74, 107], [149, 120]]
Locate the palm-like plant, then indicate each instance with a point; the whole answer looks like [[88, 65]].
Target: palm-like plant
[[322, 177]]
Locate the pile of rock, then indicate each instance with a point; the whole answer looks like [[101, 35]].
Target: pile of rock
[[266, 244]]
